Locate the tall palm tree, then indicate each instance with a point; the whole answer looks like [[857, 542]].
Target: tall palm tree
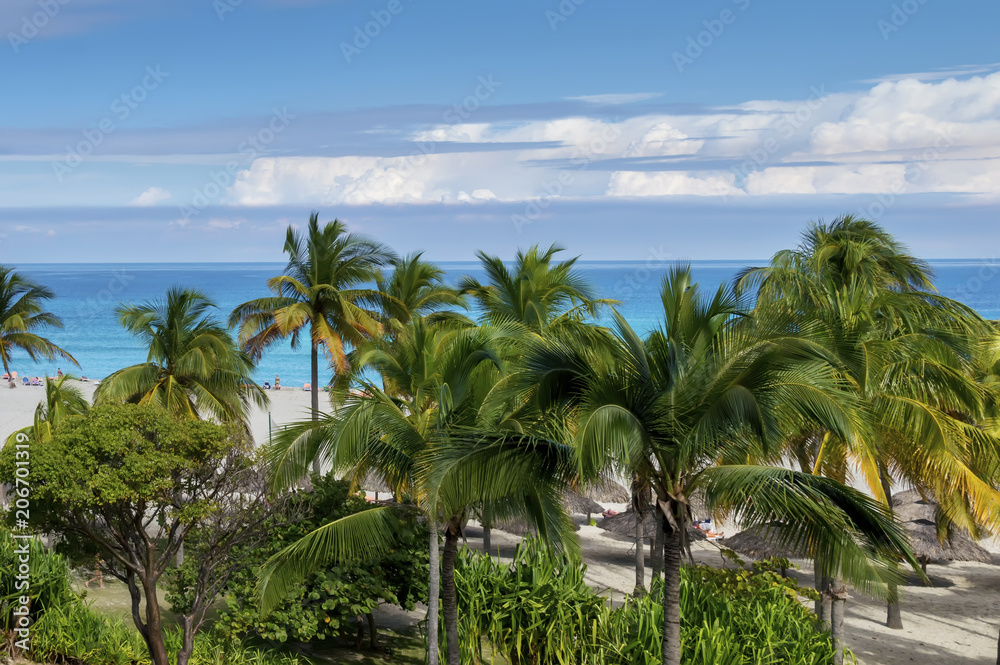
[[323, 290], [537, 291], [910, 357], [547, 297], [416, 287], [193, 367], [691, 408], [22, 314], [437, 377]]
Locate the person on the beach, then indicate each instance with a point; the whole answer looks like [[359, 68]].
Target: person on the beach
[[277, 383], [98, 574], [59, 373]]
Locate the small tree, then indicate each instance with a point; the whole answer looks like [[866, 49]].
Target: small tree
[[131, 484]]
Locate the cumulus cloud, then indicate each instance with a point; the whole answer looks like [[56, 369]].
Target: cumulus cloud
[[900, 136], [151, 197]]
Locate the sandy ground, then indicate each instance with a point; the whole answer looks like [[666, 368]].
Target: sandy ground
[[955, 621]]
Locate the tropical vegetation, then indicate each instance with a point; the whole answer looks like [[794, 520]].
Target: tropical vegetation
[[495, 399]]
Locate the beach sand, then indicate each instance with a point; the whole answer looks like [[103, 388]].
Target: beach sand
[[953, 622]]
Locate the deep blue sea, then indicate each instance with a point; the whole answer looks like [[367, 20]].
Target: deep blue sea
[[86, 295]]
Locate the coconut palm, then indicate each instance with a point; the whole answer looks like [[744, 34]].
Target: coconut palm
[[547, 297], [910, 356], [416, 288], [323, 289], [193, 368], [536, 291], [22, 315], [436, 379], [692, 406], [62, 401]]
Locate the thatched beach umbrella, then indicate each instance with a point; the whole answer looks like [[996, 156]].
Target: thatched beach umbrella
[[623, 524], [909, 505], [375, 483], [761, 542], [607, 490], [581, 505], [959, 546]]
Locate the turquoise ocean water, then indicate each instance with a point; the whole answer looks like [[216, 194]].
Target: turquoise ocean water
[[86, 295]]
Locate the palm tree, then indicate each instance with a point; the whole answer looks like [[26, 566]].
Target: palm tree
[[22, 313], [416, 287], [193, 367], [536, 291], [322, 289], [546, 297], [62, 402], [910, 357], [691, 408], [437, 377]]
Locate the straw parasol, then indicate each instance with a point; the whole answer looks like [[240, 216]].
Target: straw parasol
[[909, 505], [375, 483], [580, 504], [761, 542], [623, 524], [607, 490], [520, 527], [958, 547]]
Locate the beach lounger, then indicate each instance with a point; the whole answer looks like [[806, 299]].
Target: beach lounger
[[306, 386], [24, 380]]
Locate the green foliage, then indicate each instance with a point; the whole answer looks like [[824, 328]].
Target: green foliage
[[49, 578], [65, 629], [329, 600], [76, 634], [117, 462], [538, 609]]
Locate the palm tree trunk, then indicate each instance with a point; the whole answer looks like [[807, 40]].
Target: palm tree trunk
[[657, 559], [822, 583], [448, 592], [314, 389], [640, 558], [672, 557], [487, 531], [838, 599], [893, 613], [434, 593], [998, 650]]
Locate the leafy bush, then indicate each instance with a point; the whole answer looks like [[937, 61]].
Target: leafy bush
[[538, 609], [330, 600], [50, 580], [65, 629]]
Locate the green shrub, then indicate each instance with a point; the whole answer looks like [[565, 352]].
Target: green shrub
[[538, 609], [327, 603], [50, 580]]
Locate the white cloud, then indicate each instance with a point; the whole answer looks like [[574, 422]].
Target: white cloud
[[670, 183], [151, 197], [865, 179]]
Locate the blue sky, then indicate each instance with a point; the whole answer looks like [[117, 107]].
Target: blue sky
[[195, 130]]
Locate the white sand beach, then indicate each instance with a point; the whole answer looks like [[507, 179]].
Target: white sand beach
[[955, 621]]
